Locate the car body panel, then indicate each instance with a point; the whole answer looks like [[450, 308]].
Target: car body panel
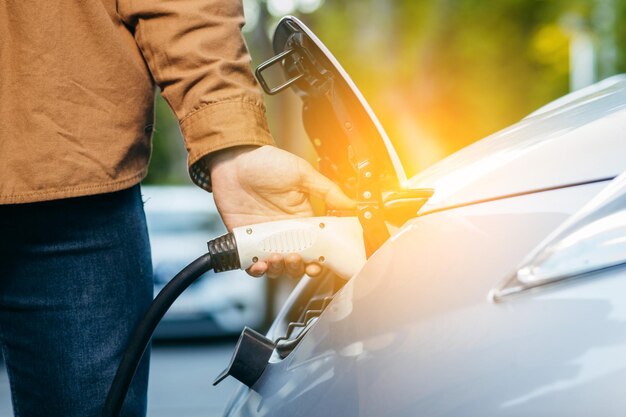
[[546, 150], [415, 333]]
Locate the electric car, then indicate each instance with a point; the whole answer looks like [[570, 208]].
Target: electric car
[[495, 283], [179, 220]]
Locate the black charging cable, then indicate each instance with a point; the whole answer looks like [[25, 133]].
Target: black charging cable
[[222, 256]]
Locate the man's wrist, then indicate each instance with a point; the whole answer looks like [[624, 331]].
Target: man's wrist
[[202, 171], [215, 159]]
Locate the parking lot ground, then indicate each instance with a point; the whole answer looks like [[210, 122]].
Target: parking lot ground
[[181, 375], [5, 394]]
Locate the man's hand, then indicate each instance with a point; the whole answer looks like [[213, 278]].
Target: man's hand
[[253, 185]]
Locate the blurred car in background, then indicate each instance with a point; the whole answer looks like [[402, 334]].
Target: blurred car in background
[[180, 221]]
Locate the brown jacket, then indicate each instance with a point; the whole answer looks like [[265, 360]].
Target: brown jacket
[[77, 82]]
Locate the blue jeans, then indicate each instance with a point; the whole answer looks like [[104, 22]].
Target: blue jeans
[[75, 278]]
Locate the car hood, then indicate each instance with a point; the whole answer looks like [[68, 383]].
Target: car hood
[[577, 139]]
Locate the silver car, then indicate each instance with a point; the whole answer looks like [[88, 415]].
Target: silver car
[[500, 287]]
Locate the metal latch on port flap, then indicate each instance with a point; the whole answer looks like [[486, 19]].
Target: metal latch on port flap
[[296, 63], [269, 63]]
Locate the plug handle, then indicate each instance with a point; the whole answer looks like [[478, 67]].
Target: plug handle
[[334, 242]]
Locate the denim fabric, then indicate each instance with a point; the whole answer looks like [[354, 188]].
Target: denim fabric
[[75, 278]]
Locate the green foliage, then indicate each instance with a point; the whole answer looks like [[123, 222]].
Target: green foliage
[[440, 74], [168, 159]]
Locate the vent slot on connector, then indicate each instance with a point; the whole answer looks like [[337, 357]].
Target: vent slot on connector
[[315, 306]]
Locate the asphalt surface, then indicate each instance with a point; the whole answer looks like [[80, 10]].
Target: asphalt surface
[[180, 380]]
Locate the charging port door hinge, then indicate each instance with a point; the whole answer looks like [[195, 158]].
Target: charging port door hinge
[[370, 209]]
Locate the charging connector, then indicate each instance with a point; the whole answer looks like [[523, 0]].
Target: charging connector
[[334, 242], [223, 251]]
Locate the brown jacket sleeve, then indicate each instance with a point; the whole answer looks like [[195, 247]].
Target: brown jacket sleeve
[[197, 56]]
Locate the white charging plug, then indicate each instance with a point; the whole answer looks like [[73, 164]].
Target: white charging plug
[[334, 242]]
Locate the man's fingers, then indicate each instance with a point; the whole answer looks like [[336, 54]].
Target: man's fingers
[[257, 269], [294, 265], [313, 269], [275, 266], [322, 187]]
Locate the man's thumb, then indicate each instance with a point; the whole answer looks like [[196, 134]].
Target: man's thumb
[[320, 186]]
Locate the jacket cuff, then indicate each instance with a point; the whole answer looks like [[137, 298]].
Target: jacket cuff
[[218, 126]]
